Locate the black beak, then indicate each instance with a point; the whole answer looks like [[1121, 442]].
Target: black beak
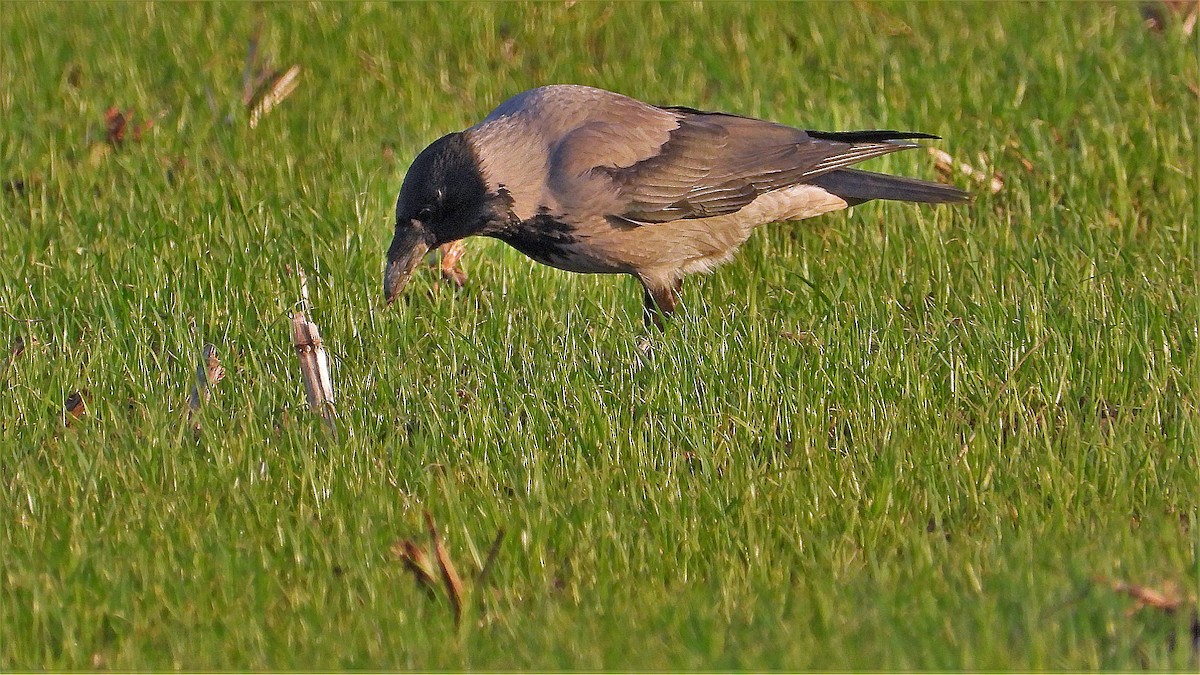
[[407, 249]]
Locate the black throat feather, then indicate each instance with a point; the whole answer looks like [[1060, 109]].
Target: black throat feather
[[544, 238]]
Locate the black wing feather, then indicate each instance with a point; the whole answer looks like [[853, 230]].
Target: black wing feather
[[715, 164]]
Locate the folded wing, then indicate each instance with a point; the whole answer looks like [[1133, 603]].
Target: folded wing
[[711, 164]]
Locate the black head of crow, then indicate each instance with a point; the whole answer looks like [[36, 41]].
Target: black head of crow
[[591, 181], [443, 199]]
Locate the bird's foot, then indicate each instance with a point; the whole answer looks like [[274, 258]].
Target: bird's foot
[[448, 257], [452, 254]]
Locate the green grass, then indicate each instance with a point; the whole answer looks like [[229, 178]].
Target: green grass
[[898, 438]]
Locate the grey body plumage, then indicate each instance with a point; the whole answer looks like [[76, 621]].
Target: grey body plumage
[[591, 181]]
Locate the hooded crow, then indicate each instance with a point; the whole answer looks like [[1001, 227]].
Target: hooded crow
[[591, 181]]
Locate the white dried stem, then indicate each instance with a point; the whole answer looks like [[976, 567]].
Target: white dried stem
[[306, 305], [314, 363], [274, 94], [947, 165]]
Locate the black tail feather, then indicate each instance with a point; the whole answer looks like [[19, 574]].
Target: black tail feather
[[857, 186], [873, 136]]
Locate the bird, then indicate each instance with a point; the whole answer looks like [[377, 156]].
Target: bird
[[592, 181]]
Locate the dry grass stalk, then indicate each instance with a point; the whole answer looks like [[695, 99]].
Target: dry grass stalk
[[277, 89], [208, 373], [450, 578], [948, 166], [1014, 148], [493, 553], [314, 363], [263, 88], [417, 561]]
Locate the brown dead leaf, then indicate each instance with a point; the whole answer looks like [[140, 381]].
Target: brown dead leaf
[[1156, 15], [417, 562], [1167, 597], [74, 75], [263, 87], [465, 398], [115, 122], [119, 124], [75, 408]]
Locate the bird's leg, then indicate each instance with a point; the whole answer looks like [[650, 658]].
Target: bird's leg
[[660, 302]]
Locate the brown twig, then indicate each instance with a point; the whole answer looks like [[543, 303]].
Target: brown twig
[[493, 552], [18, 319], [947, 166], [450, 578], [418, 562]]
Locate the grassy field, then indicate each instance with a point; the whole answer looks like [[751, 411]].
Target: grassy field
[[897, 438]]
